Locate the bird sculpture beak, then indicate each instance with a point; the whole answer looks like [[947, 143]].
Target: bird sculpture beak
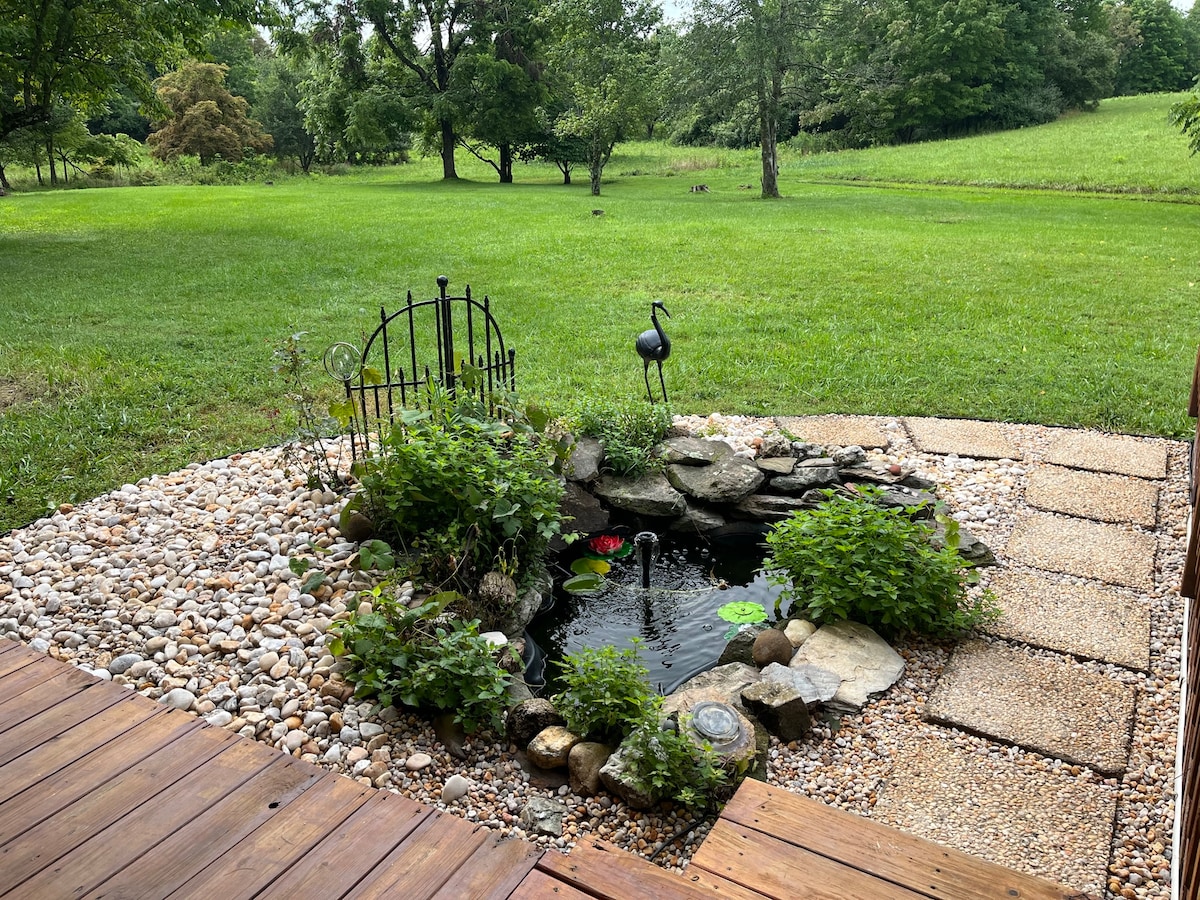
[[664, 309]]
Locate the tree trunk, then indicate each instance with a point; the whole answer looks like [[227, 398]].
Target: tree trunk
[[506, 163], [50, 161], [565, 168], [594, 172], [770, 155], [448, 171], [5, 187]]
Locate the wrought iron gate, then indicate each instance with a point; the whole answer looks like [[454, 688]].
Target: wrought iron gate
[[385, 378]]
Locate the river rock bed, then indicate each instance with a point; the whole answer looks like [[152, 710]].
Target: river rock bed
[[180, 587]]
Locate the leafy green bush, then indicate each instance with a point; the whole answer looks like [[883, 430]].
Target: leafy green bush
[[409, 656], [667, 762], [462, 496], [854, 559], [606, 692], [629, 431]]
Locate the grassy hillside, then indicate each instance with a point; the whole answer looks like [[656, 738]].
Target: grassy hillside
[[137, 325]]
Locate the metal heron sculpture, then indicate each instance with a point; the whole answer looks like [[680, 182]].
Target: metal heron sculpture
[[654, 345]]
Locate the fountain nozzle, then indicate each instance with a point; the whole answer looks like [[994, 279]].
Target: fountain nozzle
[[646, 544]]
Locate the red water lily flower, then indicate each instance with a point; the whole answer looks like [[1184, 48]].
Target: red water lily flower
[[606, 545]]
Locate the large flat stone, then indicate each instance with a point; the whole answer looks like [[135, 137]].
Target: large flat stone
[[1119, 454], [1110, 553], [862, 659], [843, 431], [963, 437], [1052, 706], [1036, 820], [1083, 620], [1109, 498]]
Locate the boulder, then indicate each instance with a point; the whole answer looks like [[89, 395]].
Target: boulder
[[584, 763], [727, 480], [805, 478], [973, 551], [774, 445], [530, 717], [798, 631], [583, 509], [543, 816], [771, 646], [358, 527], [919, 504], [649, 495], [694, 710], [780, 707], [692, 451], [776, 466], [584, 462], [740, 648], [725, 681], [772, 507], [816, 685], [849, 456], [698, 520], [859, 656], [551, 747], [618, 779]]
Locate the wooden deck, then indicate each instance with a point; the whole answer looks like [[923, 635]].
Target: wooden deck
[[107, 794]]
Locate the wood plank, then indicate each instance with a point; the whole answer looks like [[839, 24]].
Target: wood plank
[[907, 860], [537, 885], [37, 687], [66, 748], [180, 851], [340, 861], [493, 871], [1193, 406], [94, 771], [90, 839], [602, 870], [37, 729], [15, 656], [280, 842], [424, 861], [783, 871]]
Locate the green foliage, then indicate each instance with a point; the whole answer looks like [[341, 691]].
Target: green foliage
[[853, 559], [628, 429], [667, 762], [1185, 115], [412, 656], [293, 367], [462, 494], [606, 692]]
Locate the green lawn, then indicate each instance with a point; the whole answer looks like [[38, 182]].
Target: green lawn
[[137, 324]]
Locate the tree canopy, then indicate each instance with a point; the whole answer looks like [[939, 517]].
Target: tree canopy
[[206, 120]]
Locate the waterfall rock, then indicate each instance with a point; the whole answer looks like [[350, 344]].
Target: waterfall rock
[[691, 451], [650, 495], [727, 480]]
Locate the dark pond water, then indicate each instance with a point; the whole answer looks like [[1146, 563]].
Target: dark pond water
[[675, 618]]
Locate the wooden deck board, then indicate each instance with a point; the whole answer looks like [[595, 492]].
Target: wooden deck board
[[876, 850], [204, 836], [351, 851], [538, 885], [493, 871], [424, 861], [604, 871], [279, 843], [63, 749], [37, 687], [43, 727]]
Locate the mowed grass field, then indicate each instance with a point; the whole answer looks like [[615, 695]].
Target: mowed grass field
[[1048, 275]]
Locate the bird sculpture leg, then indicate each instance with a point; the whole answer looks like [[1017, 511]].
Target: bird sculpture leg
[[661, 382], [646, 375]]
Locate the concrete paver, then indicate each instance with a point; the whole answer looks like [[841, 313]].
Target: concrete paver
[[844, 431], [1109, 553], [1119, 454], [1049, 705], [1108, 498], [964, 437]]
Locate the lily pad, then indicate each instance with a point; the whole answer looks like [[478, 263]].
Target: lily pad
[[582, 584], [742, 612], [586, 564]]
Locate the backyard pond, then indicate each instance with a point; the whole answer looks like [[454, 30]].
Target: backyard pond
[[675, 619]]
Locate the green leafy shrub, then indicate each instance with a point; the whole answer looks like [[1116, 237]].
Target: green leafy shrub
[[667, 762], [462, 496], [606, 692], [853, 559], [413, 657], [629, 431]]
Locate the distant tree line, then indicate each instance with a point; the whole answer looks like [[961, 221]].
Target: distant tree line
[[83, 82]]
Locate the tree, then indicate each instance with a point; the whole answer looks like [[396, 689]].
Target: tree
[[78, 51], [752, 46], [206, 120], [278, 109], [1161, 59], [499, 91], [603, 56]]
